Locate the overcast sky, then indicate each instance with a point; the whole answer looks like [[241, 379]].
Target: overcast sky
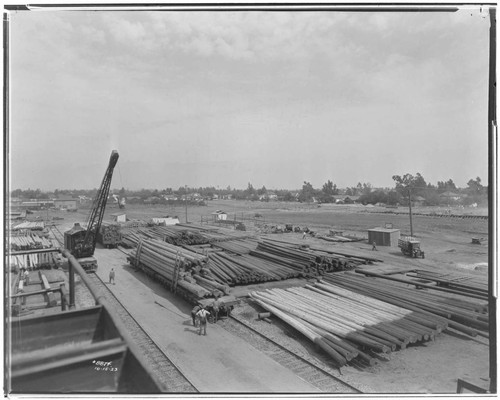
[[275, 99]]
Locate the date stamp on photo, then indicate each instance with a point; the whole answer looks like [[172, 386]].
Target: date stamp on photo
[[104, 366]]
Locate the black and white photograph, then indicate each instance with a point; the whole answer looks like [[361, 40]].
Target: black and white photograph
[[249, 199]]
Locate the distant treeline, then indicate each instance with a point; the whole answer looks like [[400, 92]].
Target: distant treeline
[[406, 187]]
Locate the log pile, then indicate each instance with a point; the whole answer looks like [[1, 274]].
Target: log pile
[[168, 234], [109, 234], [29, 225], [249, 261], [454, 280], [348, 325], [468, 316], [239, 247], [29, 242], [246, 269], [177, 268]]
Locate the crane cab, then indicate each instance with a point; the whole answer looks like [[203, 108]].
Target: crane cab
[[73, 241]]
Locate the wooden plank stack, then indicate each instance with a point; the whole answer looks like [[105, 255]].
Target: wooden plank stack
[[466, 315], [176, 267], [109, 234], [29, 225], [29, 242], [348, 325]]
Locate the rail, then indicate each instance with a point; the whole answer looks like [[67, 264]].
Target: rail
[[316, 369], [163, 367], [74, 265]]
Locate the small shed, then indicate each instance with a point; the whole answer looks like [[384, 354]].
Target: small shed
[[219, 215], [119, 217], [383, 236]]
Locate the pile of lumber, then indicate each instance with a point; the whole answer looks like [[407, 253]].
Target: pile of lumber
[[250, 261], [168, 234], [347, 325], [455, 280], [29, 242], [179, 269], [466, 315], [109, 234], [246, 269], [240, 247], [29, 225]]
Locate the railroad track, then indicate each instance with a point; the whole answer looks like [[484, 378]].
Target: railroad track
[[165, 370], [310, 372]]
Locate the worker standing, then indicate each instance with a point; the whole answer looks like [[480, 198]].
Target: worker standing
[[374, 246], [202, 318], [194, 311], [112, 276], [216, 307], [26, 277]]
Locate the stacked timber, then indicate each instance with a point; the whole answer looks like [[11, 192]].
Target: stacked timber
[[240, 247], [246, 269], [348, 325], [29, 225], [454, 280], [29, 242], [179, 269], [468, 316], [109, 234]]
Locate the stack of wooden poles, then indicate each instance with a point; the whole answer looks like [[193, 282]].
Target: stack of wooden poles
[[170, 265], [347, 325], [465, 315], [246, 269], [29, 242], [109, 234]]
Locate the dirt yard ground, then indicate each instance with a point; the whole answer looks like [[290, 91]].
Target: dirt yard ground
[[432, 367]]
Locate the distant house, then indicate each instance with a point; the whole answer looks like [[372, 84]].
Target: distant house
[[219, 215], [418, 200], [66, 203], [84, 199], [450, 196], [119, 217], [170, 197], [351, 199], [227, 197], [272, 196]]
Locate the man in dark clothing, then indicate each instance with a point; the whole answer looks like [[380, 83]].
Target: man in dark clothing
[[193, 314], [216, 306]]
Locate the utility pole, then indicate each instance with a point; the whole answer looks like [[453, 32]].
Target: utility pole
[[186, 202], [409, 203]]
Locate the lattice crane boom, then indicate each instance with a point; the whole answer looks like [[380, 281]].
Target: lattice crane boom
[[94, 221]]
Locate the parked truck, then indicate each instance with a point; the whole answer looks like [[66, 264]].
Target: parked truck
[[410, 247]]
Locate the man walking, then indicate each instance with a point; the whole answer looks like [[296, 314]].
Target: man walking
[[202, 319], [112, 276]]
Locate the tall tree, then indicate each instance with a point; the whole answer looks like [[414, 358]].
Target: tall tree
[[307, 192], [475, 186]]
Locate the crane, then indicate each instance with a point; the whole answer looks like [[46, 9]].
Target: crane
[[81, 241]]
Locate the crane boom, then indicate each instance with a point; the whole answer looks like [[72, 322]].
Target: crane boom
[[86, 247]]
